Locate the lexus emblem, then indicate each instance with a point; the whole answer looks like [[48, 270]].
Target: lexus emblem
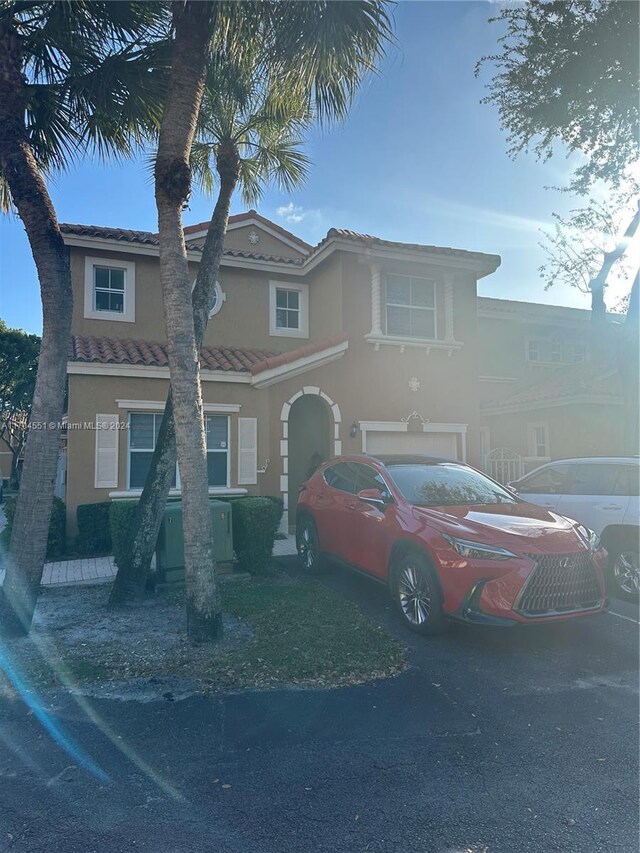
[[566, 562]]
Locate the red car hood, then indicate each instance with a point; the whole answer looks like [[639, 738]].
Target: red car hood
[[521, 527]]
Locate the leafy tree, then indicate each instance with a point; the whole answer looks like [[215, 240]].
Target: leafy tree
[[588, 246], [567, 71], [74, 77], [18, 365], [321, 49]]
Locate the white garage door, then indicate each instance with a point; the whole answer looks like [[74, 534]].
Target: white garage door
[[433, 443]]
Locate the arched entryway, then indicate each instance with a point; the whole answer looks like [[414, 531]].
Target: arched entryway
[[310, 435]]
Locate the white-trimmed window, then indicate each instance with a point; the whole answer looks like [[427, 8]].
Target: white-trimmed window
[[538, 440], [576, 353], [288, 310], [410, 307], [219, 297], [554, 351], [109, 290], [144, 428]]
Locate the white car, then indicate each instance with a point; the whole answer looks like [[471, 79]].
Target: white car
[[601, 493]]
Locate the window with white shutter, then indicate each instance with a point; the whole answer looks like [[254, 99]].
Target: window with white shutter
[[106, 469], [247, 451]]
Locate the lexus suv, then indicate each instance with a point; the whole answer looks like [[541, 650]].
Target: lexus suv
[[449, 541], [601, 492]]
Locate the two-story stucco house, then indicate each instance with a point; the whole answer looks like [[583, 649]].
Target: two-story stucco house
[[356, 344]]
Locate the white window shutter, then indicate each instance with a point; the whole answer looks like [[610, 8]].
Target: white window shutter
[[247, 451], [107, 432]]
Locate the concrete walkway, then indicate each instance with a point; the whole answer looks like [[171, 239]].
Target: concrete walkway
[[94, 570]]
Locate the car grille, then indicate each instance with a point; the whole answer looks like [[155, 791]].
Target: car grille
[[560, 583]]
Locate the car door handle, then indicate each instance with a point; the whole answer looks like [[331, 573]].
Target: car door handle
[[612, 506]]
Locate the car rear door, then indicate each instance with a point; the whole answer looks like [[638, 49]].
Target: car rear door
[[545, 485], [598, 494]]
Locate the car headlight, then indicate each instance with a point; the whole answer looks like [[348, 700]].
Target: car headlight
[[477, 551], [589, 537]]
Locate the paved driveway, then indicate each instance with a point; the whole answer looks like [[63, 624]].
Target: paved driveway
[[492, 742]]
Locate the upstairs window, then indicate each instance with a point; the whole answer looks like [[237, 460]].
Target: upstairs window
[[411, 307], [554, 351], [109, 290], [288, 310]]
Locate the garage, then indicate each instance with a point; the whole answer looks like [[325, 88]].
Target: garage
[[447, 440]]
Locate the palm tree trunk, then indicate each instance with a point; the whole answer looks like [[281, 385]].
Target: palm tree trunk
[[193, 24], [28, 544], [131, 578]]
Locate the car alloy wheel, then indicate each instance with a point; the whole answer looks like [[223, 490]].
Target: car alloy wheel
[[626, 573], [415, 595], [308, 546], [415, 588]]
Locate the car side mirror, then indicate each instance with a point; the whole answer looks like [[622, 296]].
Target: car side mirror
[[374, 497]]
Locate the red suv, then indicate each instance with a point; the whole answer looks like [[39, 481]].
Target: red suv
[[449, 541]]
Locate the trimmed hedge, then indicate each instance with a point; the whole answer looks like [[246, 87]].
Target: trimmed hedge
[[56, 543], [94, 531], [122, 521], [255, 524]]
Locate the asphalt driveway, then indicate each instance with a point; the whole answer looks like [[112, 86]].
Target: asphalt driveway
[[492, 742]]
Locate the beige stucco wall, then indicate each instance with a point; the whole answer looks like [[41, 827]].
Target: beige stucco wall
[[587, 429], [365, 384], [238, 238], [91, 395]]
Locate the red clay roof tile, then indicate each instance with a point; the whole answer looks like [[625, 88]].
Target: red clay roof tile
[[87, 348]]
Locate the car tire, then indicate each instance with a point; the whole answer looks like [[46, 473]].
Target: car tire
[[624, 573], [308, 546], [416, 592]]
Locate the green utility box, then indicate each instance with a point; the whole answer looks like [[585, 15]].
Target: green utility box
[[170, 547]]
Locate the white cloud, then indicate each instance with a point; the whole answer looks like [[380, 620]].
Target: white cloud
[[292, 213]]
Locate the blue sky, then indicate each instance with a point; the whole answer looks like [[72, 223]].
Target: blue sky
[[419, 160]]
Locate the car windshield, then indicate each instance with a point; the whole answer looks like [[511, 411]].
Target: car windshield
[[447, 484]]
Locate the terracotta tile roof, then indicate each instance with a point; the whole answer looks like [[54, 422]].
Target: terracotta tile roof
[[564, 384], [253, 214], [152, 354], [149, 238], [87, 348], [369, 240], [282, 358]]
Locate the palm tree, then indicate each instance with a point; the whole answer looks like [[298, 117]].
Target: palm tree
[[74, 76], [320, 51], [249, 139]]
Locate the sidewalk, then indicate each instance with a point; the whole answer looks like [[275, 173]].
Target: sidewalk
[[94, 570]]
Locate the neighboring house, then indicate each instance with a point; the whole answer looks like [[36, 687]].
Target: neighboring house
[[356, 344], [545, 392]]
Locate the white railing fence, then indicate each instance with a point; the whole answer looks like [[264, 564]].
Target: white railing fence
[[504, 465]]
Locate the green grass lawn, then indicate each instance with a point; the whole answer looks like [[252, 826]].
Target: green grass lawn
[[279, 631]]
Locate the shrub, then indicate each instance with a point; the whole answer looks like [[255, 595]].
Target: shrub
[[94, 531], [255, 522], [122, 521], [57, 539]]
